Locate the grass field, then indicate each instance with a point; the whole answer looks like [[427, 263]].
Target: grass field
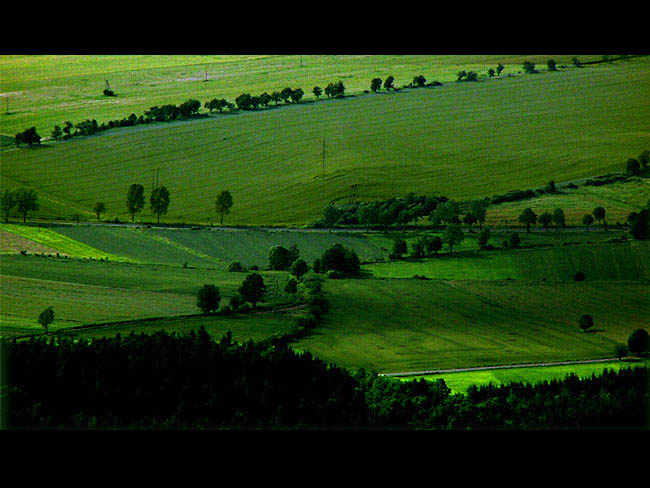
[[413, 325], [622, 261], [47, 90], [462, 140], [83, 292], [459, 382]]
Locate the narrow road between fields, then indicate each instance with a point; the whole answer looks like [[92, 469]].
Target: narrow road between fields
[[505, 366]]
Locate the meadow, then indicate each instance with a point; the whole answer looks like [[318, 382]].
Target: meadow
[[47, 90], [87, 292], [461, 140], [391, 326]]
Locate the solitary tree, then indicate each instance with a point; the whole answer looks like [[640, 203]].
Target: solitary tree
[[26, 201], [452, 235], [499, 69], [433, 245], [224, 203], [135, 200], [490, 72], [159, 201], [208, 299], [528, 217], [318, 91], [599, 213], [7, 202], [545, 219], [585, 322], [99, 209], [388, 83], [375, 84], [419, 80], [621, 350], [46, 317], [551, 65], [253, 288], [639, 342], [587, 220]]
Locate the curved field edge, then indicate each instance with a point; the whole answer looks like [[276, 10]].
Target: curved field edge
[[462, 140]]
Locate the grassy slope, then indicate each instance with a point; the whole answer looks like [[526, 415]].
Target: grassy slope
[[412, 325], [47, 90], [89, 291], [463, 140], [626, 261]]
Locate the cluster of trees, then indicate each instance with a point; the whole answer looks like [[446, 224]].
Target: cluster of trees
[[337, 261], [638, 166], [24, 200], [252, 290], [467, 76], [640, 223], [387, 213], [170, 381], [28, 136]]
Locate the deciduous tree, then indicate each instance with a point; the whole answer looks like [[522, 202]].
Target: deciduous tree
[[26, 201], [208, 299], [159, 201], [224, 203], [135, 200]]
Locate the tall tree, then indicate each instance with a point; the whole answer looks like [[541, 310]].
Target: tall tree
[[388, 83], [99, 209], [558, 217], [135, 200], [528, 217], [224, 203], [26, 201], [7, 202], [253, 288], [375, 84], [499, 69], [545, 219], [318, 91], [46, 317], [159, 201], [208, 299], [452, 235]]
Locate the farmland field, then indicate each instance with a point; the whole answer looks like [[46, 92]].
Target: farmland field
[[414, 325], [461, 140], [46, 90]]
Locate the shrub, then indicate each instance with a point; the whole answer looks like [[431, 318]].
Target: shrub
[[333, 274], [236, 267], [292, 286], [585, 322]]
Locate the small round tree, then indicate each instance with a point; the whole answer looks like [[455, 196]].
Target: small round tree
[[639, 342], [208, 299], [253, 288], [587, 220], [599, 214], [292, 286], [299, 268], [585, 322], [46, 318]]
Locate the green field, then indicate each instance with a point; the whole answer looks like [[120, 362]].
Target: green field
[[462, 140], [623, 261], [394, 326], [459, 382], [82, 291], [46, 90]]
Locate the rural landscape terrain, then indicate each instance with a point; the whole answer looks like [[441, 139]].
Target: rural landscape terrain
[[354, 242]]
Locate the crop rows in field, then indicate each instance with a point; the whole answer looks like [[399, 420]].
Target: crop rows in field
[[415, 325], [462, 140]]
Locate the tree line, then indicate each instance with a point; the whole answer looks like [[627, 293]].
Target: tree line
[[172, 381]]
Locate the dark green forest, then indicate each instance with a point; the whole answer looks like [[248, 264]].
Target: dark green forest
[[170, 381]]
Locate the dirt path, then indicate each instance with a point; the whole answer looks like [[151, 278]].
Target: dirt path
[[505, 366]]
